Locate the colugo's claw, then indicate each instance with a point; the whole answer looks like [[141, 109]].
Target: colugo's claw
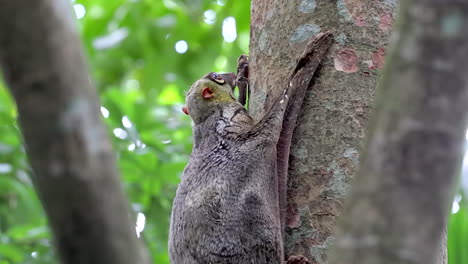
[[242, 60]]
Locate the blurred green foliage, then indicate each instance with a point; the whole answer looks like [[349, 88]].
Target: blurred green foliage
[[457, 239], [141, 79]]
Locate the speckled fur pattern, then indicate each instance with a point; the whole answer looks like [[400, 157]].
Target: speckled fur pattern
[[226, 207]]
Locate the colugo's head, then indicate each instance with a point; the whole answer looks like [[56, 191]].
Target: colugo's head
[[206, 94]]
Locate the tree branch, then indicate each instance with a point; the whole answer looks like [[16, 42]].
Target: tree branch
[[404, 188], [74, 169]]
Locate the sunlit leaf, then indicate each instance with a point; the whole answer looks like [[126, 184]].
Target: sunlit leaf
[[169, 95]]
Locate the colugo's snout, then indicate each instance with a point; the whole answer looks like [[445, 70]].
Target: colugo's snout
[[222, 78], [230, 78]]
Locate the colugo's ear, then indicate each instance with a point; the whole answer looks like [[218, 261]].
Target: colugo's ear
[[207, 93]]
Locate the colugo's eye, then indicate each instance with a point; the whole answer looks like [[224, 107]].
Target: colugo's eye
[[217, 78]]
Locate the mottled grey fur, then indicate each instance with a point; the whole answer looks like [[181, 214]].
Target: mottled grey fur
[[226, 207], [226, 210]]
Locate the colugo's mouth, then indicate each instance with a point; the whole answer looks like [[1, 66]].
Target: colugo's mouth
[[185, 110]]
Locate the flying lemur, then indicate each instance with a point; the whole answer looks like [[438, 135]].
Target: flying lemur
[[229, 207]]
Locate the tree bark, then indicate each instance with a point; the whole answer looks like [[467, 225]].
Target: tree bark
[[74, 169], [335, 112], [399, 203], [443, 257]]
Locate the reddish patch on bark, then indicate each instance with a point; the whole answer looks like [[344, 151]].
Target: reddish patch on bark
[[378, 59], [386, 21], [292, 216], [346, 60], [360, 20], [358, 11]]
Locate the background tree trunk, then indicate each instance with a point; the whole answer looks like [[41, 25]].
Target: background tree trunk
[[398, 207], [443, 257], [335, 113], [72, 159]]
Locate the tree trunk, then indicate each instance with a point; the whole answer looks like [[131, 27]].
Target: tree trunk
[[74, 169], [335, 113], [398, 206], [443, 257]]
